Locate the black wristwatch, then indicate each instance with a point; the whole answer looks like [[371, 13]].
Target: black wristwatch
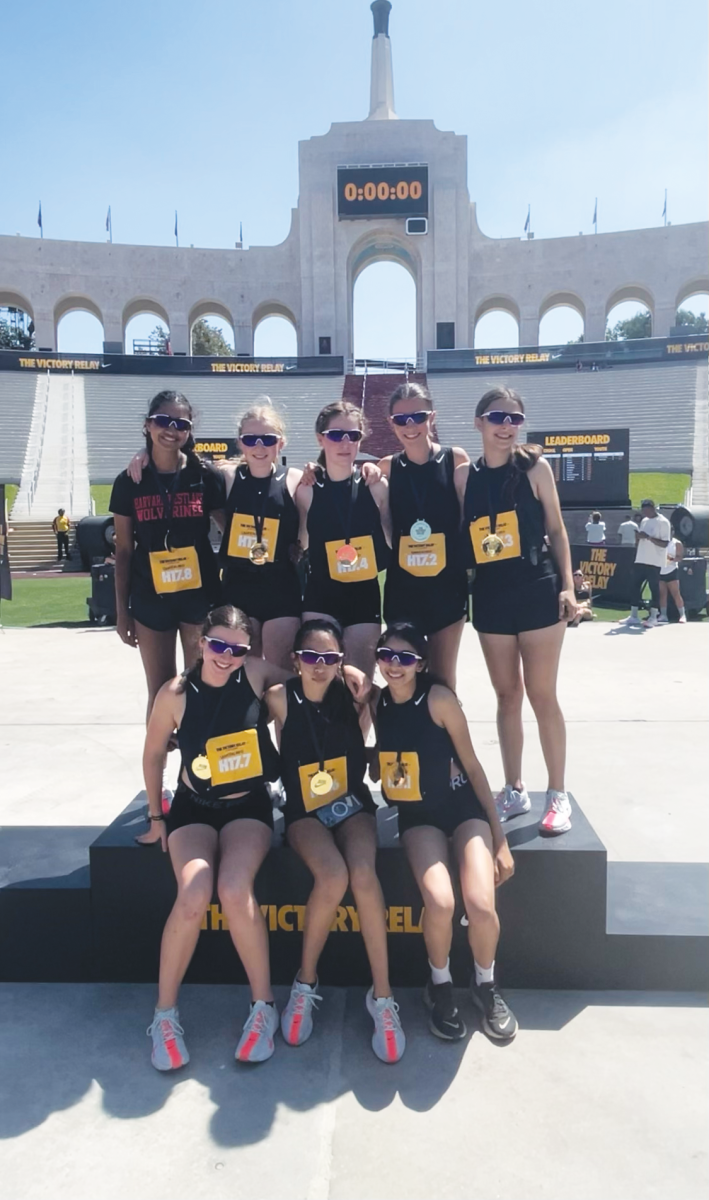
[[153, 818]]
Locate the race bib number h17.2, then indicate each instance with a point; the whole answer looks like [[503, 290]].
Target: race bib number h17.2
[[242, 535], [234, 756], [364, 567], [506, 528], [337, 769], [400, 776], [423, 558], [175, 570]]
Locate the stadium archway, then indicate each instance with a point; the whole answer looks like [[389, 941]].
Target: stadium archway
[[78, 322], [384, 313], [16, 315], [275, 331], [496, 323], [694, 298], [139, 322], [628, 302], [217, 317], [562, 319], [379, 247]]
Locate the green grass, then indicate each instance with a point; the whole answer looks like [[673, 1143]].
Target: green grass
[[47, 602], [660, 486], [101, 494], [11, 490]]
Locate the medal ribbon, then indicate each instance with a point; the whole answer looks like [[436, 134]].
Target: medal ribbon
[[259, 517], [419, 497], [346, 512], [168, 499], [210, 727], [318, 745]]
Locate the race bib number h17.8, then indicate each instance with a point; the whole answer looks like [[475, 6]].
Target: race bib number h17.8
[[175, 570]]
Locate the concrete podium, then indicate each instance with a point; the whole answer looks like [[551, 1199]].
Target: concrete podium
[[80, 904]]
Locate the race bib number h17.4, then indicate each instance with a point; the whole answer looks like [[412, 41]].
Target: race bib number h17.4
[[364, 567], [175, 570]]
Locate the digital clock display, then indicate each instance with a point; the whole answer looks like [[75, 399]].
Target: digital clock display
[[382, 191]]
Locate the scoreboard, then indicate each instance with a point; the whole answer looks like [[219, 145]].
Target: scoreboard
[[589, 466], [382, 191]]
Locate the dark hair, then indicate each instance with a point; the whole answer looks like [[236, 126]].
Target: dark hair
[[226, 616], [338, 408], [410, 391], [61, 511], [337, 703], [525, 456], [169, 397], [595, 517], [408, 632], [636, 516]]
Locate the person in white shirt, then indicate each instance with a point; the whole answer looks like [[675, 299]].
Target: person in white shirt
[[669, 582], [628, 529], [595, 530], [653, 539]]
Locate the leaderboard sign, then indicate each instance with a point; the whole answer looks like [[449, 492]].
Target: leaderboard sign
[[382, 191], [589, 466]]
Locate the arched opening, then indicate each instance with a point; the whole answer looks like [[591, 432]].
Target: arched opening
[[16, 322], [562, 319], [211, 329], [384, 313], [274, 331], [692, 313], [146, 327], [79, 325], [629, 313], [496, 329]]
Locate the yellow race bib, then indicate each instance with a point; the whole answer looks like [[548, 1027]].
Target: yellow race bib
[[364, 568], [408, 788], [423, 558], [506, 528], [175, 570], [242, 535], [337, 767], [234, 756]]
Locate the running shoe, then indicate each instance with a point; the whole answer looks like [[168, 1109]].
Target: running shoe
[[651, 622], [632, 622], [557, 818], [388, 1039], [498, 1021], [512, 802], [256, 1041], [662, 621], [683, 620], [297, 1016], [445, 1021], [169, 1050]]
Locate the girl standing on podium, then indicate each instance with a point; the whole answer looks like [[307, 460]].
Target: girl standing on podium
[[523, 594], [330, 823]]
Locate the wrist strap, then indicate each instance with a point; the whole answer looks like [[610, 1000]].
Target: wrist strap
[[151, 817]]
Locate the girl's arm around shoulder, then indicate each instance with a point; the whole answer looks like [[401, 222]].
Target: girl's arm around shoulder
[[277, 704], [293, 478], [263, 675], [460, 479], [461, 458], [303, 501], [384, 465]]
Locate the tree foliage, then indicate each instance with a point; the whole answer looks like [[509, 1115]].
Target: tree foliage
[[639, 326], [161, 337], [692, 322], [14, 337], [208, 340]]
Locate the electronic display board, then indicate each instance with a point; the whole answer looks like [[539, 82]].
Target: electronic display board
[[382, 191], [590, 466]]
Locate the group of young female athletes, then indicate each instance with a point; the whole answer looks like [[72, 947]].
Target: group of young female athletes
[[259, 650]]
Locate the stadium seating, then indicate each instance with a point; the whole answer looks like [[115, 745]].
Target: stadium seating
[[17, 393]]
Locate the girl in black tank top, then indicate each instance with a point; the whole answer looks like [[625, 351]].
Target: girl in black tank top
[[430, 772], [523, 594], [346, 526], [259, 548], [426, 581], [330, 822]]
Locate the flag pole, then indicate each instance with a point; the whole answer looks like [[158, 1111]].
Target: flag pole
[[595, 217], [177, 239], [664, 211]]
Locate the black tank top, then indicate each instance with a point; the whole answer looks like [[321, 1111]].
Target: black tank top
[[268, 498], [338, 734], [519, 523], [425, 492], [332, 517], [229, 726], [409, 738]]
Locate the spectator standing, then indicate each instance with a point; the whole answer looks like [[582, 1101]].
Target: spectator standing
[[669, 582], [653, 536], [628, 529], [61, 526], [595, 530]]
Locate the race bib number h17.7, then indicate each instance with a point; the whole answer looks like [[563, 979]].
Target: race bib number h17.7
[[234, 756], [175, 570]]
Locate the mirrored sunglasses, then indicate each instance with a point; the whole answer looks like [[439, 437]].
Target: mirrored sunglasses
[[405, 658], [330, 658], [497, 417], [165, 421], [253, 439], [417, 418], [339, 435], [217, 646]]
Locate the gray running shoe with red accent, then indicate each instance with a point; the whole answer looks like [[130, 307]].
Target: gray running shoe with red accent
[[512, 802], [297, 1016], [388, 1039], [557, 818], [498, 1021], [256, 1042], [169, 1050]]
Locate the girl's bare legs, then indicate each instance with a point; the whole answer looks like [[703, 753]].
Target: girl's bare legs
[[316, 846], [472, 845], [193, 851], [443, 648], [502, 656], [357, 838], [541, 650], [157, 651], [427, 851], [243, 845]]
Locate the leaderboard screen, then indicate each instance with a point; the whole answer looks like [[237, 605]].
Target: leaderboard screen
[[589, 466], [382, 191]]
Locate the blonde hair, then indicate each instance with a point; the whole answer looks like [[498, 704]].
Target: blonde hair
[[264, 410]]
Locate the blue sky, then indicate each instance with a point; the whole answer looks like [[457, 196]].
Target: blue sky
[[158, 106]]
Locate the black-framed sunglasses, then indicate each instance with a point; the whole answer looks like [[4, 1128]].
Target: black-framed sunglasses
[[217, 646], [253, 439], [165, 421], [498, 417], [417, 418], [405, 658], [339, 435], [330, 658]]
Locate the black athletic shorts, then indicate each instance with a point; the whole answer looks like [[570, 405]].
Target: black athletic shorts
[[164, 613], [294, 809], [348, 603], [275, 595], [188, 809], [429, 608], [460, 805], [671, 577], [516, 609]]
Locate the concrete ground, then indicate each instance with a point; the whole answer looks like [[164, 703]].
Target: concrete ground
[[601, 1097]]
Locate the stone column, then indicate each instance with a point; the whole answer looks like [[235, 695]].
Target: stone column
[[179, 334], [381, 92], [45, 337], [594, 329], [663, 319], [529, 327]]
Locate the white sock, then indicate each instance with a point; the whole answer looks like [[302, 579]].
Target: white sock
[[484, 974], [441, 974], [663, 611], [680, 611], [634, 611], [653, 614]]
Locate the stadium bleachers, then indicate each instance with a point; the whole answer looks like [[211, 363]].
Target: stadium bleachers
[[17, 395], [656, 403], [115, 408]]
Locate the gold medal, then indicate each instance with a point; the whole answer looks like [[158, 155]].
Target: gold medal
[[492, 545], [399, 775], [347, 554], [259, 553], [321, 783], [200, 767]]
